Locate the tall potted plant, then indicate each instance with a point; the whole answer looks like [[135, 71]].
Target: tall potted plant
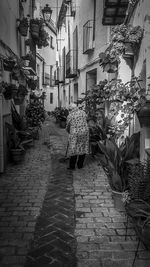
[[115, 163]]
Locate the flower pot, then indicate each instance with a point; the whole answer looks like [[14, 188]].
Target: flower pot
[[23, 30], [143, 232], [17, 154], [34, 30], [144, 114], [118, 200], [128, 52], [111, 68], [28, 42]]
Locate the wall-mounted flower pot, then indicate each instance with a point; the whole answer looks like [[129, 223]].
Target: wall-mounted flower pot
[[111, 68], [23, 30], [34, 27], [144, 114], [129, 51]]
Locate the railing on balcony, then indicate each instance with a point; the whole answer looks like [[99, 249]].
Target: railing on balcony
[[71, 64], [88, 36]]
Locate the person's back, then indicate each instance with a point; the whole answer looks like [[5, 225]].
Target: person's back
[[78, 136], [78, 122]]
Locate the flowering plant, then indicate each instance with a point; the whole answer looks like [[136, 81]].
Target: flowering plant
[[127, 33]]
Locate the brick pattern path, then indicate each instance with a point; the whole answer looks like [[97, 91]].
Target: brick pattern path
[[100, 228], [54, 243]]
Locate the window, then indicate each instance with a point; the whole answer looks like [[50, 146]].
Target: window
[[51, 98], [51, 42]]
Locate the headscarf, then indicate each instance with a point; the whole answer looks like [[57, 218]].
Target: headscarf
[[72, 107]]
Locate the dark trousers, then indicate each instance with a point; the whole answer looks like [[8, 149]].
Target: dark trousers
[[73, 160]]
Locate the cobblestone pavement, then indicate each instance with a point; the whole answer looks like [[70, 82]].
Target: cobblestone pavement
[[51, 216]]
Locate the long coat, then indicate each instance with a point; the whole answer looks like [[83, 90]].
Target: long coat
[[78, 133]]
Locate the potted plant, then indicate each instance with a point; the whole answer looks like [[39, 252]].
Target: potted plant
[[23, 26], [29, 56], [115, 164], [9, 63], [32, 83], [43, 38], [20, 95], [144, 114], [62, 116], [15, 147], [7, 92], [35, 25], [35, 114], [109, 60], [129, 37]]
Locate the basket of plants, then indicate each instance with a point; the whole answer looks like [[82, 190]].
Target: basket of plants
[[23, 27]]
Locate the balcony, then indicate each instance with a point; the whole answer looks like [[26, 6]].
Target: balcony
[[71, 64], [88, 37], [114, 11]]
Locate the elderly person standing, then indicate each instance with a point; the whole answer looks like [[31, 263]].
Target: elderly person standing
[[78, 130]]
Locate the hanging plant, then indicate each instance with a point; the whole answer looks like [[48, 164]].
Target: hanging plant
[[32, 83], [35, 25], [29, 56], [9, 90], [9, 63], [125, 41], [23, 26], [28, 42]]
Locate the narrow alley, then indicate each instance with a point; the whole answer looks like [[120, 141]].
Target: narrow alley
[[51, 216]]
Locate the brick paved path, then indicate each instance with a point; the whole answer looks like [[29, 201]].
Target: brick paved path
[[100, 228], [72, 211]]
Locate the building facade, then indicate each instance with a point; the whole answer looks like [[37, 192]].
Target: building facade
[[81, 37], [12, 49], [46, 67]]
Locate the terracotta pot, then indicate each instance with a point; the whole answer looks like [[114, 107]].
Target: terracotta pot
[[144, 114]]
